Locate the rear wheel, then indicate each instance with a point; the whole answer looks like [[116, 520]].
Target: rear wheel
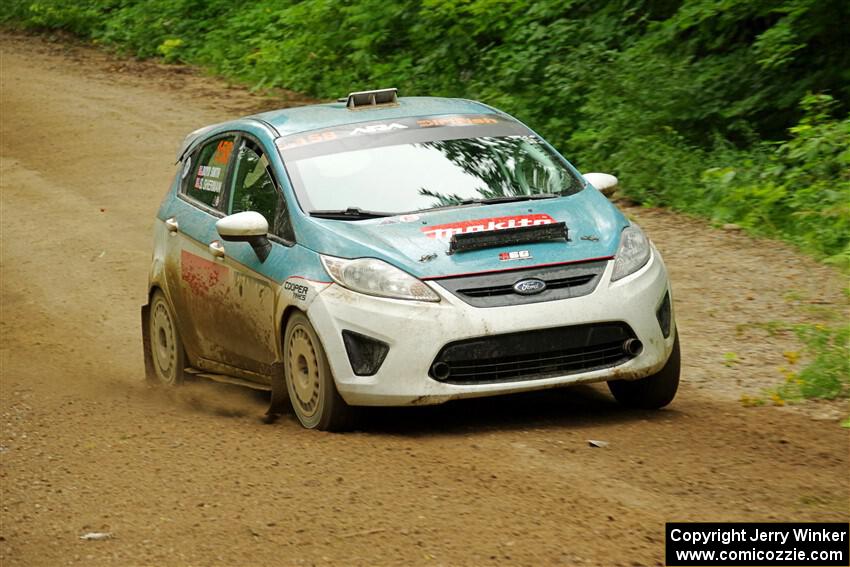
[[653, 392], [311, 387], [167, 355]]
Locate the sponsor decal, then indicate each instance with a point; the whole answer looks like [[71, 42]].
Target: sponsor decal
[[456, 121], [298, 140], [315, 137], [378, 128], [446, 231], [530, 286], [299, 291], [222, 152], [515, 255]]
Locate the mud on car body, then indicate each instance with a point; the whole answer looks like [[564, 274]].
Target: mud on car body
[[397, 251]]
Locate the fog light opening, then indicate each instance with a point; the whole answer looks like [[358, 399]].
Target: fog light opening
[[441, 371], [632, 347], [365, 354]]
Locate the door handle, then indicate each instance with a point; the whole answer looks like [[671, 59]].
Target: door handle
[[217, 249], [171, 224]]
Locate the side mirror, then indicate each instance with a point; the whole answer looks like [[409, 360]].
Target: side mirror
[[247, 226], [605, 183]]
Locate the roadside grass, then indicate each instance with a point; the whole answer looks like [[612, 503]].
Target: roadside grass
[[827, 375], [820, 370]]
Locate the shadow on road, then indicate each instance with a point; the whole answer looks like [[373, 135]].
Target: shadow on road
[[575, 408]]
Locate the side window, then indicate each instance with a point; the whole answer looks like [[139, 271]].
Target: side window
[[204, 180], [254, 189]]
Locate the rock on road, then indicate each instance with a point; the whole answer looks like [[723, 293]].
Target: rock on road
[[195, 478]]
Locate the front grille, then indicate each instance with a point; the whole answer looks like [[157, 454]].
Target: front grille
[[496, 290], [530, 355], [559, 283]]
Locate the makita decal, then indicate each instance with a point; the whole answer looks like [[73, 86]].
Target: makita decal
[[446, 231]]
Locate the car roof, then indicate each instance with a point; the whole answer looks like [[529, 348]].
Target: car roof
[[305, 118], [294, 120]]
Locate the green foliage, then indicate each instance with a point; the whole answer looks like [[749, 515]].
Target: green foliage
[[68, 16], [827, 375], [170, 49], [702, 105], [799, 189]]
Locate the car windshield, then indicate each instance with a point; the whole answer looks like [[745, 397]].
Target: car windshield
[[427, 174]]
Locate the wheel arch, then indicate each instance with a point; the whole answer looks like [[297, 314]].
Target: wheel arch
[[279, 402], [284, 319]]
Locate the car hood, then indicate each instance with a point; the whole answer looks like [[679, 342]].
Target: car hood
[[419, 243]]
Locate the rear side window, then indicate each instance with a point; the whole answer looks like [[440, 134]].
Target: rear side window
[[204, 180], [254, 188]]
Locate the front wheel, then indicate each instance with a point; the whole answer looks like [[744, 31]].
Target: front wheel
[[653, 392], [311, 387]]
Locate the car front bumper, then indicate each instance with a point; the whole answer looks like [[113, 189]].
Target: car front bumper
[[417, 331]]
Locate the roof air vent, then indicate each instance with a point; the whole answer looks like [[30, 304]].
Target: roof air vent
[[371, 99]]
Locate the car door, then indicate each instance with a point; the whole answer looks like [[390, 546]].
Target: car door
[[196, 271], [250, 304]]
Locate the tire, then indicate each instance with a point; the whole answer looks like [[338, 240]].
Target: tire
[[653, 392], [309, 381], [167, 358]]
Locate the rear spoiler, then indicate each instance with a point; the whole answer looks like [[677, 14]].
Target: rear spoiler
[[508, 237]]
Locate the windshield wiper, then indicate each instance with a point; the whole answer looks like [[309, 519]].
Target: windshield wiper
[[351, 213], [495, 200], [508, 199]]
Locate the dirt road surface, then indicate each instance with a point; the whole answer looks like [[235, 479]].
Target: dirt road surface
[[196, 478]]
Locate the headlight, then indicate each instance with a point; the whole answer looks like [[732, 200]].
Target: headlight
[[633, 253], [375, 277]]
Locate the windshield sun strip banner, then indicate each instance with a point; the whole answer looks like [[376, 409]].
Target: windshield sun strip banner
[[364, 135]]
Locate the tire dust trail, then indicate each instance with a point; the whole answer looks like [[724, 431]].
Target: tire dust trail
[[194, 477]]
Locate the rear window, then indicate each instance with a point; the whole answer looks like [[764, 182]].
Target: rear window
[[204, 178]]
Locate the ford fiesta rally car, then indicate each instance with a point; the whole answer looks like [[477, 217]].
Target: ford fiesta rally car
[[397, 251]]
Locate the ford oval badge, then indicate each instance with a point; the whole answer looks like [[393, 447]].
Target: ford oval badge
[[529, 287]]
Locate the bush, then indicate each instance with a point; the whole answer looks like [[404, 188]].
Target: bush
[[799, 189]]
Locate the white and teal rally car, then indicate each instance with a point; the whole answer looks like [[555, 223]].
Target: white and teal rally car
[[397, 251]]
